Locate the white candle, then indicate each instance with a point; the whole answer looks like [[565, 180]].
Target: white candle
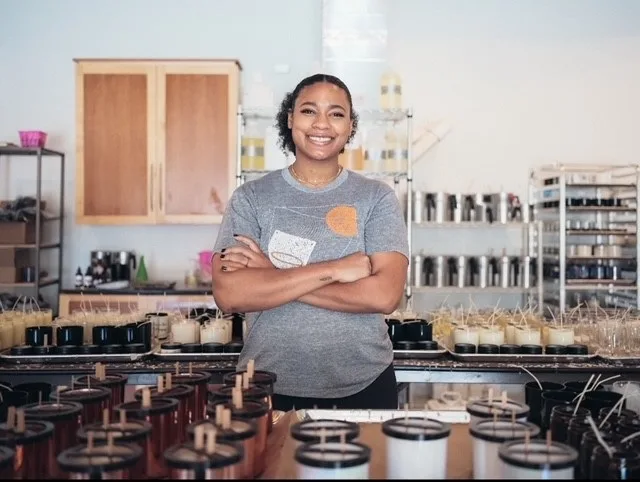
[[510, 334], [528, 336], [466, 335], [416, 448], [561, 336], [216, 331], [491, 336], [487, 437], [483, 409], [312, 431], [632, 391], [185, 331], [332, 460], [535, 459]]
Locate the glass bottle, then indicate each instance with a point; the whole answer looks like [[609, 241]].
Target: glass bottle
[[390, 90], [252, 157], [353, 155]]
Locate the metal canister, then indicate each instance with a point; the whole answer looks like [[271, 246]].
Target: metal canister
[[461, 268], [136, 432], [440, 270], [493, 279], [160, 413], [66, 418], [197, 409], [185, 396], [33, 446], [114, 382], [525, 272], [255, 411], [483, 271], [452, 271], [418, 271], [240, 432], [473, 272], [93, 400], [221, 461], [7, 462], [263, 379], [419, 206], [505, 267], [436, 203], [102, 461], [455, 206], [514, 272]]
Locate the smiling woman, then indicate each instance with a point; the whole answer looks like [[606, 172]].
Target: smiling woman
[[315, 255]]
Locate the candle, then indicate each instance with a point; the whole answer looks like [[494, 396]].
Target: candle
[[466, 335], [216, 331], [528, 336], [184, 331], [488, 435], [485, 408], [332, 460], [491, 336], [561, 336], [537, 459], [315, 431], [416, 448]]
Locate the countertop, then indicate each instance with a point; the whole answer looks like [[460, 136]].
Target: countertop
[[179, 290]]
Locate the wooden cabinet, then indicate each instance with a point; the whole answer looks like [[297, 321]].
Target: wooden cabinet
[[156, 140]]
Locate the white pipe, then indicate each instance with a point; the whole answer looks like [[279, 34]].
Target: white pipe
[[428, 136]]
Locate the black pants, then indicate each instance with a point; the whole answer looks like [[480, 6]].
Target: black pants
[[381, 394]]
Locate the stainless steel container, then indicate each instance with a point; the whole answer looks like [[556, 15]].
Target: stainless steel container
[[93, 400], [418, 273], [186, 462], [136, 432], [525, 272], [473, 272], [440, 272], [514, 272], [419, 206], [34, 449], [483, 271], [436, 203], [505, 269], [102, 461], [455, 207]]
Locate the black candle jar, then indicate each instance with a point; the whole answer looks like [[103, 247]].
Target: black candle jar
[[549, 400], [533, 398], [623, 465], [588, 443], [561, 416]]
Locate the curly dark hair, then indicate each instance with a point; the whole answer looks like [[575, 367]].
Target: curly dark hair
[[286, 107]]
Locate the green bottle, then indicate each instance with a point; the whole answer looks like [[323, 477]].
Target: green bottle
[[141, 274]]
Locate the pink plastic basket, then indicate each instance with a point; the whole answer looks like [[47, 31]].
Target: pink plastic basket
[[32, 138]]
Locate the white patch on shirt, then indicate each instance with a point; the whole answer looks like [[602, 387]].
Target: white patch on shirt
[[289, 251]]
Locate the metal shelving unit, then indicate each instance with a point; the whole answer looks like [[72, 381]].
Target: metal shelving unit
[[39, 245], [589, 240], [382, 117]]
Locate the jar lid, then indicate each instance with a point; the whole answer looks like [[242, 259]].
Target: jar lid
[[176, 391], [555, 349], [509, 349], [193, 378], [186, 456], [254, 392], [52, 411], [171, 346], [415, 428], [312, 430], [112, 349], [488, 349], [485, 409], [212, 347], [110, 380], [85, 394], [537, 455], [34, 431], [531, 349], [158, 406], [577, 349], [260, 377], [502, 430], [565, 411], [155, 313], [234, 347], [43, 350], [89, 349], [135, 348], [250, 408], [99, 459], [22, 350], [333, 455], [191, 348], [465, 348], [7, 456], [238, 430], [130, 431]]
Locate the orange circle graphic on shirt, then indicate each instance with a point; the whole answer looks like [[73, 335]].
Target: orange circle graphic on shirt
[[343, 220]]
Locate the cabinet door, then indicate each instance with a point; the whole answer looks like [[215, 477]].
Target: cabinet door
[[197, 142], [115, 129]]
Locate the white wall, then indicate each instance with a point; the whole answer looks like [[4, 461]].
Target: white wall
[[523, 81]]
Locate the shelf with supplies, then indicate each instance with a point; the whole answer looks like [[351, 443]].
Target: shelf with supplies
[[589, 215], [380, 150]]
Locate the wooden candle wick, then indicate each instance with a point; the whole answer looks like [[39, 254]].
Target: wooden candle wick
[[211, 441], [190, 368], [503, 401], [160, 384], [198, 441], [219, 412], [11, 417], [251, 368], [105, 418], [146, 396], [123, 418], [343, 441], [169, 381], [90, 436], [490, 396], [527, 436], [46, 340], [177, 368], [110, 437], [238, 381], [245, 381], [39, 398], [548, 445], [226, 419], [20, 421]]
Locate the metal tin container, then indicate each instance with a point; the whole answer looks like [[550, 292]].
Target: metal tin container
[[7, 458], [436, 207], [198, 401], [185, 462], [419, 206], [254, 392], [136, 432], [255, 411], [114, 382], [102, 462], [418, 271], [160, 415], [262, 378], [93, 400], [34, 455], [66, 418], [240, 432], [184, 394], [312, 431]]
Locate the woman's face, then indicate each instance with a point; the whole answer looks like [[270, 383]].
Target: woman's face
[[320, 122]]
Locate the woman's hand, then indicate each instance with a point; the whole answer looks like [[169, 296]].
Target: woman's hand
[[248, 256]]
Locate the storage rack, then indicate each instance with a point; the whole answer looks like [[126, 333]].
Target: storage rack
[[39, 245], [384, 117], [585, 207]]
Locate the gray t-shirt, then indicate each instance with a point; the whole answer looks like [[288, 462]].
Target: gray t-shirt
[[316, 352]]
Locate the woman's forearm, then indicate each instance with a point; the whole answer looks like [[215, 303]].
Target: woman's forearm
[[258, 289]]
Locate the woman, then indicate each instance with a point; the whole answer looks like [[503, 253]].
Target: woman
[[315, 254]]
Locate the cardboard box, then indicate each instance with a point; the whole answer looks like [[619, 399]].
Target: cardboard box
[[13, 257], [10, 275], [17, 233]]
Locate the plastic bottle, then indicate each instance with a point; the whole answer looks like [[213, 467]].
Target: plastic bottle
[[253, 146]]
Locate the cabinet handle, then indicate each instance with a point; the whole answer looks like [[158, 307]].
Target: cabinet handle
[[160, 187], [151, 175]]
